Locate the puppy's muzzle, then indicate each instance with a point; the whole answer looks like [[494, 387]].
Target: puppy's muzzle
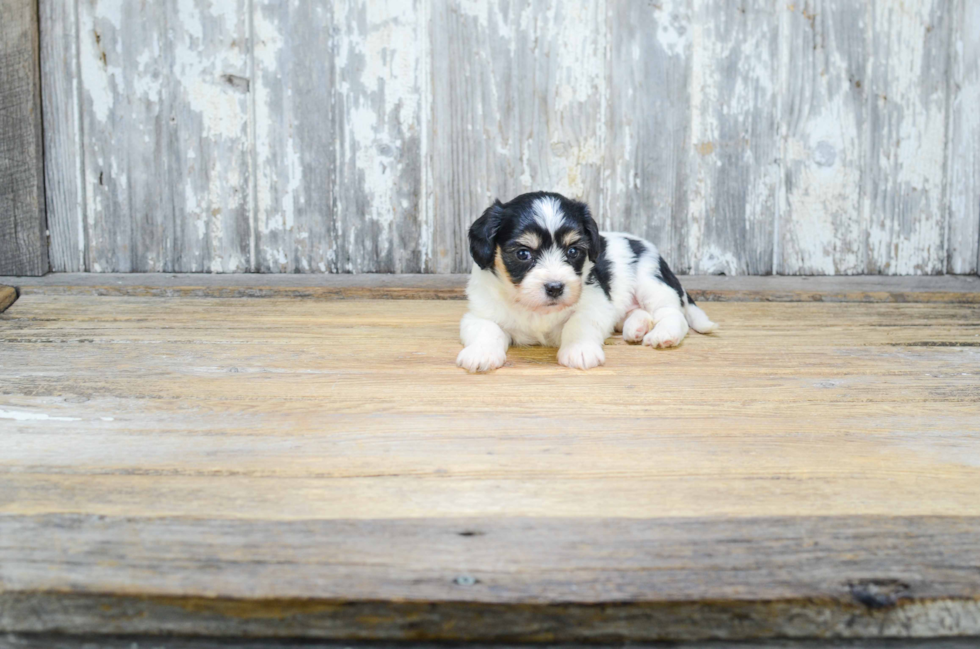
[[554, 290]]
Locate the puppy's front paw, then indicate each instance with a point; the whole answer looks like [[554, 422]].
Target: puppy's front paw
[[581, 356], [477, 358]]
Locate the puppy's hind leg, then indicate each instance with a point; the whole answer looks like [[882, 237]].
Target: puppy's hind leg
[[670, 330], [665, 308], [637, 325]]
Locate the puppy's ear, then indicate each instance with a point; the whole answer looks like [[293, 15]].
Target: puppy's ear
[[592, 234], [482, 235]]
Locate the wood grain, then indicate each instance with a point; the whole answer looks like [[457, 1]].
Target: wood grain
[[346, 368], [824, 48], [905, 86], [734, 149], [338, 137], [498, 580], [23, 244], [519, 91], [952, 289], [647, 124], [963, 139], [746, 138], [58, 641], [64, 176], [322, 469], [164, 94]]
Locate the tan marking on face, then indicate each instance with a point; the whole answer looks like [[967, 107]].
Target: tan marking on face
[[551, 267], [498, 264], [570, 237], [529, 239]]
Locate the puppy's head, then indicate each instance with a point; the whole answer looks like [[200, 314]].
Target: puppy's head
[[538, 244]]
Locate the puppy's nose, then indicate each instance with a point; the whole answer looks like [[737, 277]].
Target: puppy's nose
[[554, 289]]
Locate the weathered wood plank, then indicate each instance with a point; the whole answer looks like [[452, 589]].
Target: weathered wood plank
[[868, 288], [742, 138], [289, 409], [23, 239], [338, 136], [164, 97], [904, 136], [321, 469], [647, 119], [209, 151], [734, 150], [59, 641], [63, 173], [823, 49], [554, 580], [963, 139], [518, 105], [295, 138]]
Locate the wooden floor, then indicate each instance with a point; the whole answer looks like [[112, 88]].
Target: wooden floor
[[321, 468]]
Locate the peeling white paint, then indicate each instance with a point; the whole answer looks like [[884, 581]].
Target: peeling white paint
[[383, 97], [673, 31], [905, 141], [847, 180], [21, 415], [101, 75]]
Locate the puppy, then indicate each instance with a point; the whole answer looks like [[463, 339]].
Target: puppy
[[545, 275]]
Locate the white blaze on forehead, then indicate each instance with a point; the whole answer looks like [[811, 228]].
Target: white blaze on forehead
[[548, 214], [552, 258]]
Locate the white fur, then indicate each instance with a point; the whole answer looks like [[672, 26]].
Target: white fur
[[642, 306], [699, 320], [547, 212], [551, 268]]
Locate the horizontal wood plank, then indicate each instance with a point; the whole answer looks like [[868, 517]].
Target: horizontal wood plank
[[321, 469], [963, 289], [58, 641], [493, 579]]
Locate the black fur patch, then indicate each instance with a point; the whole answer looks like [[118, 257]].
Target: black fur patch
[[690, 300], [517, 268], [601, 272], [638, 249], [667, 277], [502, 225]]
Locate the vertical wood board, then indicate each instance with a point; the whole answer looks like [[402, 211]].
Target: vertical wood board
[[904, 137], [963, 140], [23, 244], [63, 172], [338, 136], [518, 104], [734, 153], [165, 102], [823, 50], [647, 126]]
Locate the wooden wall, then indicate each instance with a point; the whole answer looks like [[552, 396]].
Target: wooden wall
[[23, 245], [742, 136]]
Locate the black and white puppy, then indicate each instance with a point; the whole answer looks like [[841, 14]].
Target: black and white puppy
[[545, 275]]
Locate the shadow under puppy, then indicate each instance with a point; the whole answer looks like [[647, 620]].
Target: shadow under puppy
[[545, 275]]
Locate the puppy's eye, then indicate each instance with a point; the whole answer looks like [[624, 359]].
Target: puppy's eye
[[524, 254], [573, 252]]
